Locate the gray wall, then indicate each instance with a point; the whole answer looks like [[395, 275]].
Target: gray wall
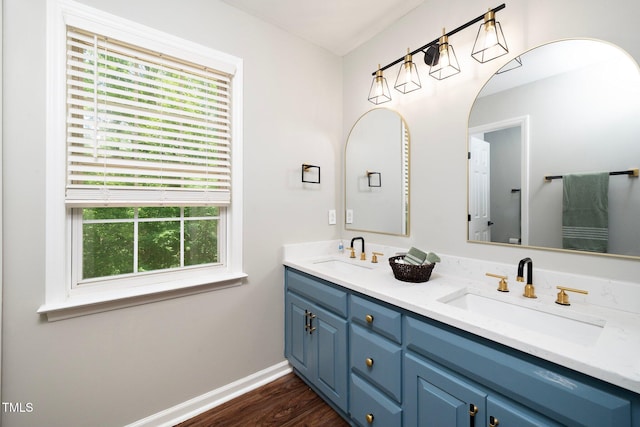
[[117, 367]]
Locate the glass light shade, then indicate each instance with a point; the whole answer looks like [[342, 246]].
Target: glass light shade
[[379, 92], [408, 79], [445, 64], [490, 42]]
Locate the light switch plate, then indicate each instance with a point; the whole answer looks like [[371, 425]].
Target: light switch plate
[[332, 217], [349, 216]]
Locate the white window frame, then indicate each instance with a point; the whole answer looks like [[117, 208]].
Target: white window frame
[[62, 300]]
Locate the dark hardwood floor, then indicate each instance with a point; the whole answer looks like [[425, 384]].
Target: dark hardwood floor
[[285, 402]]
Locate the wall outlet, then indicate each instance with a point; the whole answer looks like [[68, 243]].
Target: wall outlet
[[332, 217], [349, 216]]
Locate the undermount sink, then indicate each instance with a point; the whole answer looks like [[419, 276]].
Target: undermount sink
[[343, 266], [574, 327]]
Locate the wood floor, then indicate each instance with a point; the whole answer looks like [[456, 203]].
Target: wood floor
[[285, 402]]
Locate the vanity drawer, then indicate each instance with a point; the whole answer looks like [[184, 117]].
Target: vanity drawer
[[317, 290], [376, 318], [376, 359], [369, 407]]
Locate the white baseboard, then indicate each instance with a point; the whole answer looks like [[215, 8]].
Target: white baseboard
[[189, 409]]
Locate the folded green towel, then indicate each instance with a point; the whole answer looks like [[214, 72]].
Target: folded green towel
[[432, 258], [415, 256], [585, 212]]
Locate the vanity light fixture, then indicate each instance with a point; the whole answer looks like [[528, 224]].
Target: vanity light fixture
[[490, 44], [408, 79], [379, 92], [445, 64]]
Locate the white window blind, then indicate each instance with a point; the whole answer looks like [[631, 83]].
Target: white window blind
[[144, 129]]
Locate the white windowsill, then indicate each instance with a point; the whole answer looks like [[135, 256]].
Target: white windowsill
[[81, 305]]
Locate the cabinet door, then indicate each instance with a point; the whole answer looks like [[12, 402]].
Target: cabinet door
[[434, 396], [506, 413], [329, 344], [316, 346], [297, 337]]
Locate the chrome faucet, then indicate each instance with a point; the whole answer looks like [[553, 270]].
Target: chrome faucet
[[529, 290], [363, 256]]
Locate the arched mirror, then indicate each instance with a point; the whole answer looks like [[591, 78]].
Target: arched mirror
[[377, 174], [571, 110]]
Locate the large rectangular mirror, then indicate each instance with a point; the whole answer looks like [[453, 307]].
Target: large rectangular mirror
[[572, 107]]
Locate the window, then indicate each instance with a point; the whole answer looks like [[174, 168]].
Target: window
[[114, 242], [143, 157]]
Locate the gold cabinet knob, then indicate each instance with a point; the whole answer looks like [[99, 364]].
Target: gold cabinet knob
[[368, 318], [369, 362], [493, 421], [369, 418]]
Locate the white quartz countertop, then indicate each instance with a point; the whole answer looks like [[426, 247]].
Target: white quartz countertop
[[612, 354]]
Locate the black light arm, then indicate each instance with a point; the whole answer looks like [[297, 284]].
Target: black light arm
[[435, 42]]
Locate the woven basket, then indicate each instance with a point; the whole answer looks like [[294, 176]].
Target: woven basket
[[409, 272]]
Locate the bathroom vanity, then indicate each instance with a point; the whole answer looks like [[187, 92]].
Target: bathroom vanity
[[388, 353]]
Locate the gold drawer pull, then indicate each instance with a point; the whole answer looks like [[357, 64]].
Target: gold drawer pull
[[369, 418], [369, 362], [368, 318], [493, 421]]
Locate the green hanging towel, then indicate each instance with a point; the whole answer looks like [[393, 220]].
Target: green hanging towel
[[585, 212]]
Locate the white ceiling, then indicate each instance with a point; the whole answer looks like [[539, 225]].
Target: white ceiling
[[337, 25]]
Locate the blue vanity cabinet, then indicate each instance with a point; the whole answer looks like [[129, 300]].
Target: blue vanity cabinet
[[316, 334], [518, 390], [381, 365], [376, 363]]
